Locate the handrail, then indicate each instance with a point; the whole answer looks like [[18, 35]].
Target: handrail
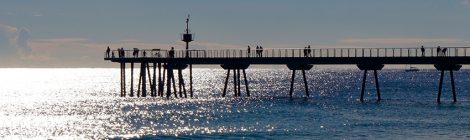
[[294, 52]]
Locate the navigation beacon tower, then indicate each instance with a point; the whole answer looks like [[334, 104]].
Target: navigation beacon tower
[[187, 36]]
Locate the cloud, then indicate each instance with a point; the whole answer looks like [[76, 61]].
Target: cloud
[[466, 2], [13, 41]]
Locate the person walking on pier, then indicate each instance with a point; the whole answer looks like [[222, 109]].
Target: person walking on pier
[[171, 53], [248, 51], [144, 53], [422, 51], [107, 52]]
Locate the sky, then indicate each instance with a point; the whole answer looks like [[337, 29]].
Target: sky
[[69, 34]]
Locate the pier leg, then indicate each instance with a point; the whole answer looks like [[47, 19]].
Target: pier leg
[[191, 80], [123, 79], [377, 85], [132, 79], [238, 80], [154, 87], [179, 83], [453, 85], [150, 80], [160, 85], [226, 82], [440, 87], [138, 85], [363, 85], [292, 84], [235, 82], [143, 74], [168, 82], [184, 87], [246, 84], [163, 81], [305, 83], [174, 83]]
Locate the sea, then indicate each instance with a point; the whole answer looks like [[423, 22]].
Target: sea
[[84, 103]]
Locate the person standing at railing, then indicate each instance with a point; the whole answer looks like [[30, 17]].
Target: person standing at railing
[[422, 51], [309, 51], [438, 50], [260, 51], [144, 53], [107, 52], [257, 51], [248, 51], [444, 51], [112, 54], [171, 53], [305, 52]]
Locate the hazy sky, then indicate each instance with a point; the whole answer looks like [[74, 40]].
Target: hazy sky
[[58, 33]]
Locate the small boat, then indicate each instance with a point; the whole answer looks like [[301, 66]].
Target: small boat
[[411, 69]]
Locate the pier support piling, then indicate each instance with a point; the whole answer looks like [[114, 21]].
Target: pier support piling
[[168, 78], [235, 82], [226, 82], [302, 68], [143, 75], [246, 84], [292, 84], [440, 87], [191, 80], [238, 80], [451, 68], [132, 80], [377, 85], [123, 79], [363, 85], [454, 95], [365, 68], [154, 81], [305, 83]]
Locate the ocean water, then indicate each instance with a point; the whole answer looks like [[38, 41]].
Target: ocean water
[[85, 103]]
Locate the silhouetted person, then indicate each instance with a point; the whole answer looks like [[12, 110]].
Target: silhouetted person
[[309, 51], [305, 52], [107, 52], [144, 53], [422, 50], [112, 54], [122, 53], [171, 53], [438, 50], [248, 51], [257, 51], [136, 52], [444, 52], [261, 51]]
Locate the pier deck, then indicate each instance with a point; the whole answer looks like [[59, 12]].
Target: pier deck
[[295, 59]]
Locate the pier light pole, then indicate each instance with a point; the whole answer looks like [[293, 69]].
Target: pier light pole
[[188, 37]]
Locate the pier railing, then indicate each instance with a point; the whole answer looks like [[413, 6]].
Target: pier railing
[[280, 52]]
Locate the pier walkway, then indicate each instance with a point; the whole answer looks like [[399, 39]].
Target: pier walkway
[[367, 59]]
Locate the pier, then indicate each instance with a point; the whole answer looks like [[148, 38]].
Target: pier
[[157, 66], [238, 60]]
